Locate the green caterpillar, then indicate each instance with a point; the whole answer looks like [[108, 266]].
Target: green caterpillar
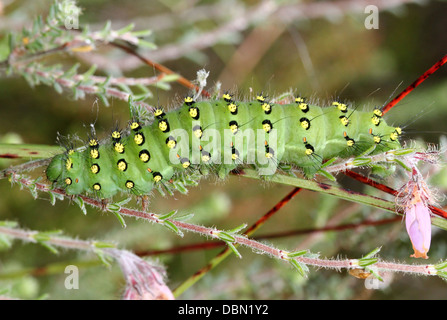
[[223, 135]]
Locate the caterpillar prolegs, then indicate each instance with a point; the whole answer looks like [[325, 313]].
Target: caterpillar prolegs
[[222, 134]]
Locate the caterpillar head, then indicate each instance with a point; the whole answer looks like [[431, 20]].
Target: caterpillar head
[[55, 168], [65, 171]]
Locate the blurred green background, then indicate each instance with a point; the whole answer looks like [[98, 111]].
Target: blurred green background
[[319, 52]]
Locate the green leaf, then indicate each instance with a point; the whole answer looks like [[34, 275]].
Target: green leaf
[[225, 236], [120, 218], [45, 235], [172, 227], [367, 261], [441, 265], [238, 229], [91, 71], [327, 175], [300, 267], [442, 275], [80, 202], [51, 248], [328, 163], [106, 30], [374, 273], [126, 29], [373, 253], [233, 248], [403, 165], [168, 215], [402, 152], [358, 162], [146, 44], [5, 242], [102, 244], [141, 33], [8, 224], [185, 217], [105, 258], [58, 87], [170, 77], [72, 71], [297, 253]]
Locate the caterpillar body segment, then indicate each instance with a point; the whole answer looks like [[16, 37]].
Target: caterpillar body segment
[[223, 135]]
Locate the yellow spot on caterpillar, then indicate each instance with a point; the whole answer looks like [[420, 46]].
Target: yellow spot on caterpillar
[[234, 155], [268, 151], [97, 187], [232, 107], [377, 139], [163, 125], [378, 112], [116, 135], [233, 127], [134, 125], [309, 149], [130, 184], [144, 156], [344, 121], [260, 98], [68, 181], [350, 142], [375, 120], [94, 168], [205, 158], [193, 112], [305, 124], [171, 143], [158, 112], [267, 127], [398, 130], [266, 107], [70, 152], [139, 139], [189, 100], [119, 147], [227, 97], [340, 106], [122, 165], [93, 143], [94, 153], [186, 164], [69, 164], [300, 100], [157, 178], [394, 136], [198, 132], [303, 106]]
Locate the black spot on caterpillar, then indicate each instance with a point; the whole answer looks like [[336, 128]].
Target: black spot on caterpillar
[[222, 134]]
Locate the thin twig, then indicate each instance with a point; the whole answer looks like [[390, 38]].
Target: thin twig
[[426, 269]]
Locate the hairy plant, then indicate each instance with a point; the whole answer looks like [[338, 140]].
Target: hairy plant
[[54, 51]]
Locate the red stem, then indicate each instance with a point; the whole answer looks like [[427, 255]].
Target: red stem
[[411, 87]]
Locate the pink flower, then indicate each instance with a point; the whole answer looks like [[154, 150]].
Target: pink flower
[[414, 197], [144, 280], [417, 221]]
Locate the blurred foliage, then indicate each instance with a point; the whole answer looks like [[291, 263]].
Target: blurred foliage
[[365, 67]]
